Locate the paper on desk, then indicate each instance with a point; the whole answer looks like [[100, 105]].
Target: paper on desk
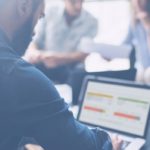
[[107, 51]]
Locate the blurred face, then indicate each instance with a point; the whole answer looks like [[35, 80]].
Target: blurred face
[[141, 8], [73, 7], [23, 36]]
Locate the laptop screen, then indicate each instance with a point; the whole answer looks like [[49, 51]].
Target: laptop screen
[[116, 107]]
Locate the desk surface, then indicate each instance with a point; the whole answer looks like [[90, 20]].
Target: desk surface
[[75, 110]]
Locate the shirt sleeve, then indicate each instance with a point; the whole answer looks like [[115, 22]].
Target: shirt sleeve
[[42, 114], [41, 27], [92, 28], [129, 38], [90, 33], [39, 38]]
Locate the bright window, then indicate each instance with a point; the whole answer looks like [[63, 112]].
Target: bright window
[[113, 17]]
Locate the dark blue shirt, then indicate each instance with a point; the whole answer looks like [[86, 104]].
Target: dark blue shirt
[[30, 106]]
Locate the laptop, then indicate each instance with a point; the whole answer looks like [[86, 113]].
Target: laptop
[[117, 106]]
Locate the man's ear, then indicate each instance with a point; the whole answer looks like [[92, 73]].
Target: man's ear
[[24, 8]]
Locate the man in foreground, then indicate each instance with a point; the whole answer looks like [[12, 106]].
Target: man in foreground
[[30, 106]]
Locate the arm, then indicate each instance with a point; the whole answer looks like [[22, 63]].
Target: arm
[[33, 55], [73, 57], [53, 59], [46, 117], [34, 51], [129, 38]]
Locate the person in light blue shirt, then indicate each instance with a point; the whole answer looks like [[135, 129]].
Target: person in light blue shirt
[[139, 35], [60, 35]]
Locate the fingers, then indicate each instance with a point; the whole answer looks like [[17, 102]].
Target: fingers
[[32, 57], [33, 147], [116, 142]]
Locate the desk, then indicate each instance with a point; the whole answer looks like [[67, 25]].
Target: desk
[[75, 110]]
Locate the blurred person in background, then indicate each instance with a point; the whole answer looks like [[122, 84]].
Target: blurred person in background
[[56, 49], [139, 37]]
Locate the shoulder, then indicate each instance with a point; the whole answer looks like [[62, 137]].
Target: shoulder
[[87, 16], [54, 12], [29, 82]]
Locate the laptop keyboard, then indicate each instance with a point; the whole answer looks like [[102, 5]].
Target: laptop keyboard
[[124, 145]]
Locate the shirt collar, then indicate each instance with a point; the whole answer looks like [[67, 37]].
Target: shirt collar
[[77, 20]]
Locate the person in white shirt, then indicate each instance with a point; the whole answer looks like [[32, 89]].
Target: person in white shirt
[[56, 48]]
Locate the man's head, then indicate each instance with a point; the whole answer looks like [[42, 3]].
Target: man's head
[[20, 18], [73, 7]]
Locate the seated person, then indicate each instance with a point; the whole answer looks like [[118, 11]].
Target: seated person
[[56, 48], [139, 36], [30, 106]]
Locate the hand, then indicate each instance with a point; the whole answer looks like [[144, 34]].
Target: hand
[[33, 56], [33, 147], [51, 60], [116, 142]]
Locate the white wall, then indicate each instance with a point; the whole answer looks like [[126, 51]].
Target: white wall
[[113, 16]]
